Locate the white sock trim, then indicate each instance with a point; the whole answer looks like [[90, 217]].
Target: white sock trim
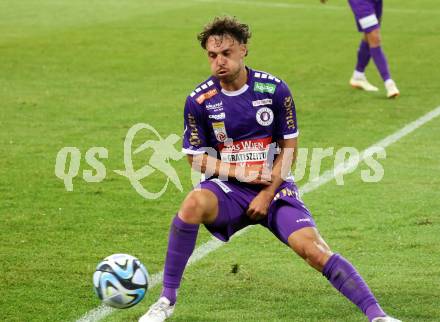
[[358, 75]]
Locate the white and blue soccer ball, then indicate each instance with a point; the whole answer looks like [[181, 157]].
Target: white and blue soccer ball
[[120, 281]]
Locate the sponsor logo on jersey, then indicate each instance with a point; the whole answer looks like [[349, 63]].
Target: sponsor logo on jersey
[[194, 138], [218, 117], [220, 131], [263, 102], [264, 116], [222, 185], [264, 87], [290, 119], [216, 107], [368, 21], [285, 192], [203, 97], [251, 151]]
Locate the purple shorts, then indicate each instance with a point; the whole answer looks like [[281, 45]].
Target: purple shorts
[[367, 14], [287, 213]]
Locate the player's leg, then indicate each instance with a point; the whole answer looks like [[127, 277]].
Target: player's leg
[[380, 60], [374, 41], [293, 224], [199, 206], [368, 14], [220, 206], [363, 56], [358, 79], [362, 8], [308, 244]]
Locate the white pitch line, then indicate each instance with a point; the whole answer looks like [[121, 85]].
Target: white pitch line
[[286, 5], [353, 161], [200, 252]]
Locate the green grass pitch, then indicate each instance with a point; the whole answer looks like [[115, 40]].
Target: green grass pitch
[[81, 73]]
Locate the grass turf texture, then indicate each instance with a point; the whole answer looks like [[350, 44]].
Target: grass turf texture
[[81, 74]]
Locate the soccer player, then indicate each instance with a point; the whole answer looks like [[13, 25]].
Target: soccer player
[[368, 14], [236, 123]]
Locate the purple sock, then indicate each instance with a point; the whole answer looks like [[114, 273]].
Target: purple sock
[[169, 293], [381, 62], [374, 311], [363, 56], [181, 243], [344, 277]]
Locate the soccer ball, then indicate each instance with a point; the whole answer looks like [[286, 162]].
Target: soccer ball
[[120, 281]]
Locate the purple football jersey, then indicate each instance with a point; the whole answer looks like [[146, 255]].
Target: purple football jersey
[[239, 125]]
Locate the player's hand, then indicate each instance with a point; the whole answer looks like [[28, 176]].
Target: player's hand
[[323, 1], [254, 174], [259, 206]]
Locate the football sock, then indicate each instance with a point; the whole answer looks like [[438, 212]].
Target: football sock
[[358, 75], [381, 62], [363, 56], [344, 277], [374, 311], [181, 243], [170, 294]]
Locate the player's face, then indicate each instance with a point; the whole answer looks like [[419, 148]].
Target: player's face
[[225, 56]]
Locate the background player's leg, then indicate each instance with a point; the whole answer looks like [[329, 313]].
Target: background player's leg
[[308, 243], [368, 14], [374, 41], [198, 207], [381, 62], [363, 56], [359, 80]]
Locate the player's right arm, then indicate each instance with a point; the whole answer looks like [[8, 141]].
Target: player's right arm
[[203, 158]]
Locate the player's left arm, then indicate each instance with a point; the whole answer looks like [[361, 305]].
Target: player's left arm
[[282, 164]]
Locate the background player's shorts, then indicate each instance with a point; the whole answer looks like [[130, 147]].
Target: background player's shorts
[[286, 214], [367, 14]]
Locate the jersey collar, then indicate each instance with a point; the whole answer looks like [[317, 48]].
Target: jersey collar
[[240, 91], [237, 92]]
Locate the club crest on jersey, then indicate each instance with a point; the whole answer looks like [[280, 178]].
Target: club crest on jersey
[[264, 116], [220, 131], [263, 102]]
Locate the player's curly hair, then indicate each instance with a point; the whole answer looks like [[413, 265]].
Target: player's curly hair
[[222, 26]]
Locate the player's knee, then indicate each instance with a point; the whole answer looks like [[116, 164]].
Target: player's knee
[[191, 210], [373, 38], [316, 254]]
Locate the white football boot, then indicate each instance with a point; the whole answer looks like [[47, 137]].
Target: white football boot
[[392, 90], [385, 319], [358, 80], [159, 311]]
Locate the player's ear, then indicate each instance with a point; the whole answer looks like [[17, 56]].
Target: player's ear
[[243, 50]]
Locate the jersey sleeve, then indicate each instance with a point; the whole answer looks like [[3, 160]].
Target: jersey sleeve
[[194, 134], [286, 126]]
